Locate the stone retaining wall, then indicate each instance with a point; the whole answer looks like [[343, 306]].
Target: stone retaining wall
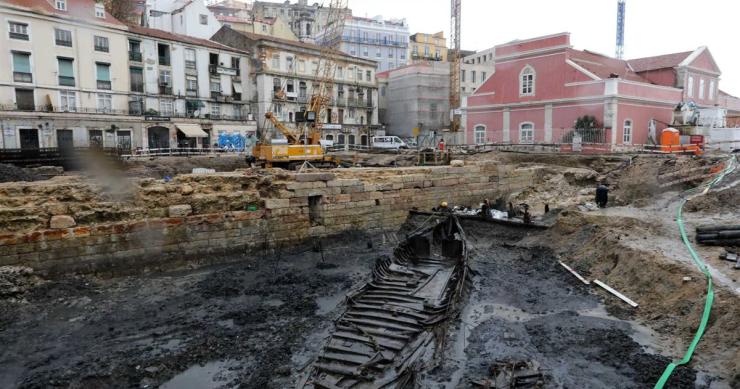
[[201, 217]]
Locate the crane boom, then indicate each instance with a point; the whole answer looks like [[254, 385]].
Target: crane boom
[[455, 7]]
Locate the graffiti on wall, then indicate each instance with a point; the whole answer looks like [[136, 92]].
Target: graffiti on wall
[[235, 141]]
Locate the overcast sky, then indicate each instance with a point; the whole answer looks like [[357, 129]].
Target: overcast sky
[[652, 27]]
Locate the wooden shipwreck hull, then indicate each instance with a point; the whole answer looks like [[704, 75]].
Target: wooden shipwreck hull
[[395, 326]]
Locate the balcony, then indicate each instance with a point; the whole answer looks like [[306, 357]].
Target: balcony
[[213, 69], [341, 101], [165, 89], [216, 94], [104, 85], [302, 99], [191, 93], [137, 87], [17, 35], [135, 108], [103, 49], [190, 64], [22, 77], [62, 42], [134, 56], [164, 60], [66, 81]]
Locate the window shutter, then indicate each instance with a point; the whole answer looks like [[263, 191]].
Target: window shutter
[[103, 72], [21, 63], [65, 68]]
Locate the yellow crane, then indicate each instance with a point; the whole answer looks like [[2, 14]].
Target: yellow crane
[[303, 142], [455, 8]]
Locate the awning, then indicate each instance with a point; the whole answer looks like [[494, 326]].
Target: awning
[[233, 128], [191, 130], [237, 87]]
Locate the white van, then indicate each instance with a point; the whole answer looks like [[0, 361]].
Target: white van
[[389, 142]]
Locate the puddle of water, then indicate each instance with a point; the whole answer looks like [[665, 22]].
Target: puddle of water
[[212, 375], [329, 303]]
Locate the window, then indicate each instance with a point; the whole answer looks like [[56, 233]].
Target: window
[[377, 53], [103, 75], [166, 107], [276, 61], [236, 64], [526, 81], [426, 51], [340, 72], [690, 89], [137, 79], [99, 11], [66, 72], [264, 28], [134, 50], [701, 88], [314, 67], [462, 75], [433, 107], [18, 30], [67, 101], [215, 88], [712, 86], [163, 52], [627, 132], [105, 102], [289, 64], [290, 86], [203, 19], [191, 87], [302, 90], [364, 51], [24, 99], [215, 110], [190, 58], [61, 5], [526, 133], [437, 54], [390, 53], [359, 74], [22, 67], [482, 76], [382, 91], [403, 55], [480, 135], [276, 84], [472, 76], [63, 37], [302, 65], [101, 44], [165, 77], [368, 75]]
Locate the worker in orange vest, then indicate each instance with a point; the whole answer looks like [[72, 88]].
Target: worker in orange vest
[[441, 145]]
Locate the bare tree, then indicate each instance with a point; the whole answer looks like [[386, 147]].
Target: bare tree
[[123, 10]]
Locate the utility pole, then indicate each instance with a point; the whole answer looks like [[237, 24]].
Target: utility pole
[[620, 29], [455, 7]]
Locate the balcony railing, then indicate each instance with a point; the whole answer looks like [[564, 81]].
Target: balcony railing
[[164, 60], [216, 94], [63, 42], [191, 93], [104, 49], [134, 56], [104, 85], [136, 108], [137, 87], [165, 90], [190, 64], [213, 69], [22, 77], [17, 35], [66, 81]]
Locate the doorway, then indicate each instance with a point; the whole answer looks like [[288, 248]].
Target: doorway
[[315, 213], [123, 140], [29, 138], [159, 137], [65, 142]]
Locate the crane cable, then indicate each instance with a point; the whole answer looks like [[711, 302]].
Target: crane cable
[[700, 191]]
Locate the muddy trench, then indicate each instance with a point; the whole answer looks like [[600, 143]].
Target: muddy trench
[[261, 321]]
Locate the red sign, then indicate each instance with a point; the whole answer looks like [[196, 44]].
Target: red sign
[[696, 139]]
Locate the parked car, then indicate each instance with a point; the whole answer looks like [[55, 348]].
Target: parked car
[[388, 142]]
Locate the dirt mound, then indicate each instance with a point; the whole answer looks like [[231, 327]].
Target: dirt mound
[[596, 246], [160, 167], [715, 201], [11, 173]]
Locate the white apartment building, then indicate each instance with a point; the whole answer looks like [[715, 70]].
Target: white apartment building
[[285, 77], [76, 77], [475, 69], [183, 17]]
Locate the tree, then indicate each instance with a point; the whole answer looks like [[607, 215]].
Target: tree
[[123, 10], [586, 122]]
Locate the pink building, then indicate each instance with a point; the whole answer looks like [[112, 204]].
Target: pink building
[[542, 85]]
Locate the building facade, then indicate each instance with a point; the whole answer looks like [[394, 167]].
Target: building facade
[[285, 78], [183, 17], [76, 77], [418, 96], [541, 86], [383, 41], [305, 20], [475, 69], [428, 47]]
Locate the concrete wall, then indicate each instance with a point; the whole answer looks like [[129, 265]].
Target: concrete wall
[[143, 230]]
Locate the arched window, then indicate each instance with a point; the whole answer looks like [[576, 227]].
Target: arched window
[[351, 139], [526, 81], [330, 137], [290, 116], [363, 140], [340, 139], [480, 134], [526, 132], [627, 132]]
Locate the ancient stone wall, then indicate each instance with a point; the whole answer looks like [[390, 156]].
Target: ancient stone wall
[[149, 223]]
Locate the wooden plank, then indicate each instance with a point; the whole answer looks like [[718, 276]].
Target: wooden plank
[[614, 292], [585, 281]]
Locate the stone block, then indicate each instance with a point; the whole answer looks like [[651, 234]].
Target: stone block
[[180, 210], [312, 177], [457, 162], [61, 221], [277, 203]]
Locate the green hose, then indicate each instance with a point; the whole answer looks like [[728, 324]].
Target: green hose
[[710, 290]]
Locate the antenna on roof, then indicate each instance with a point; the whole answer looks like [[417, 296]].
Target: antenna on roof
[[620, 29]]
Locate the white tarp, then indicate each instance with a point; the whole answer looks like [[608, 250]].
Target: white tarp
[[191, 130]]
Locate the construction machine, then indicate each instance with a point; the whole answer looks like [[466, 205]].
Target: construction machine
[[302, 144]]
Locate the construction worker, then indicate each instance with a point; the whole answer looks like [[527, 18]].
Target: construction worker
[[485, 209], [441, 145], [602, 195], [443, 208]]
